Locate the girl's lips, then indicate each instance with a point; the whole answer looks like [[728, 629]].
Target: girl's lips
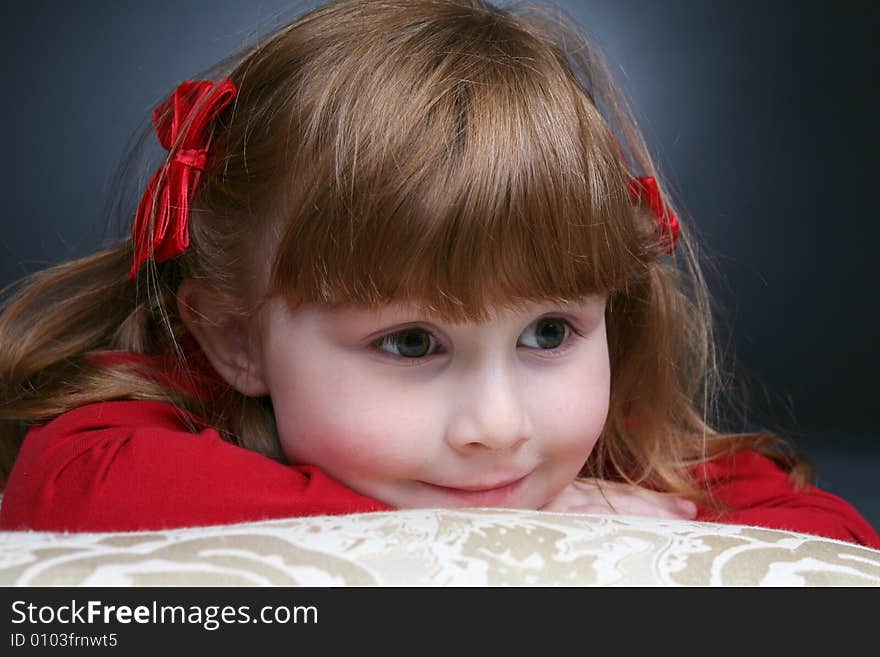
[[494, 495]]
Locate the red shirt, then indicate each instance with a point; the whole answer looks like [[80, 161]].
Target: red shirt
[[130, 465], [762, 494]]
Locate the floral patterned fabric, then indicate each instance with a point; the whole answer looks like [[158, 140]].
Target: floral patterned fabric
[[474, 547]]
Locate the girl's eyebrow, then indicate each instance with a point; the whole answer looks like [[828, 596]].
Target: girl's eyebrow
[[395, 312]]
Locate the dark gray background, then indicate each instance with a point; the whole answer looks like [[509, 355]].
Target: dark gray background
[[762, 115]]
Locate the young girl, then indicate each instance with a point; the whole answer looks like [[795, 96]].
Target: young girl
[[407, 254]]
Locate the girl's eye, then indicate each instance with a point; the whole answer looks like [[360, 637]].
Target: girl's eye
[[408, 343], [546, 333]]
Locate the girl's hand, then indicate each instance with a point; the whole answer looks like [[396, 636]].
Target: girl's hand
[[585, 496]]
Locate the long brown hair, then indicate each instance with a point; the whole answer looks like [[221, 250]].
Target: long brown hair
[[450, 153]]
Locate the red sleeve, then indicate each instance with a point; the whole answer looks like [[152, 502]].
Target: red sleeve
[[131, 465], [760, 493]]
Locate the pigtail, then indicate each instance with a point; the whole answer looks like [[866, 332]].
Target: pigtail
[[55, 324], [47, 322]]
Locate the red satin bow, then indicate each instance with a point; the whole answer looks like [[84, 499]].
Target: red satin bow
[[646, 189], [184, 124]]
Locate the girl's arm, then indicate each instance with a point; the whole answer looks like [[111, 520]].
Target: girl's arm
[[760, 493], [756, 490], [131, 465]]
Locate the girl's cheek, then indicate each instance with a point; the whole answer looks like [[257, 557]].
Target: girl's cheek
[[573, 404], [352, 425]]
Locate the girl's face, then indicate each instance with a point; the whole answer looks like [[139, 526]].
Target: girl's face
[[416, 412]]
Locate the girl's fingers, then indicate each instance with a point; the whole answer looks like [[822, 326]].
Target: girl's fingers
[[587, 496]]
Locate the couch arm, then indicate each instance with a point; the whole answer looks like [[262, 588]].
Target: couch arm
[[439, 547]]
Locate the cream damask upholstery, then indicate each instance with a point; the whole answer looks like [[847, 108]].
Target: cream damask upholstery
[[474, 547]]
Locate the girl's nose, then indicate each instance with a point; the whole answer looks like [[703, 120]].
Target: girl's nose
[[489, 414]]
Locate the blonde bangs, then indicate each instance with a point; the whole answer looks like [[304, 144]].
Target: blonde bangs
[[456, 167]]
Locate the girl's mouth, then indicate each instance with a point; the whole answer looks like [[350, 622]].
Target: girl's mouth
[[491, 495]]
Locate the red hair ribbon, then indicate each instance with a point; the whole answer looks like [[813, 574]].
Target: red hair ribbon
[[184, 124], [645, 189]]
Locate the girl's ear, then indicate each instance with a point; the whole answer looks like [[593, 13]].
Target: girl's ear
[[226, 339]]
